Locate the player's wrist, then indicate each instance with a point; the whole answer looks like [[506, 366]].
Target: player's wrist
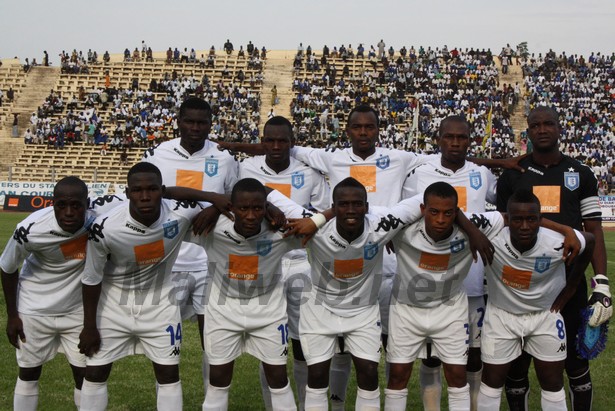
[[319, 220]]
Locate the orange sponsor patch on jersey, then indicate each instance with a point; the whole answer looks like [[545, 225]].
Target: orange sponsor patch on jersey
[[189, 178], [514, 278], [365, 175], [462, 198], [150, 253], [344, 269], [282, 188], [549, 197], [75, 248], [243, 267], [434, 262]]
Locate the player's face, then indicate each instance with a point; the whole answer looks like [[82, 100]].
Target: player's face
[[543, 130], [439, 214], [523, 223], [145, 191], [362, 130], [69, 206], [194, 126], [454, 142], [277, 143], [350, 207], [249, 211]]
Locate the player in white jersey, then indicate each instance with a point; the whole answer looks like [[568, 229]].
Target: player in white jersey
[[247, 308], [528, 286], [43, 301], [429, 302], [194, 161], [474, 185], [130, 254], [308, 188]]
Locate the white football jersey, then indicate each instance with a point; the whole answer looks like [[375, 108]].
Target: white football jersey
[[129, 257], [344, 274], [299, 182], [474, 185], [245, 267], [383, 173], [531, 281], [429, 273], [53, 259], [209, 169]]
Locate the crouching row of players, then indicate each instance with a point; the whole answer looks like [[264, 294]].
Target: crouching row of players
[[122, 256]]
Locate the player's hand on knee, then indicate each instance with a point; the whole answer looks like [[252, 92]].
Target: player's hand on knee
[[14, 331], [600, 301], [89, 341]]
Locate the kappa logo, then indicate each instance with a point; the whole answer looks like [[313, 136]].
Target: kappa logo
[[571, 181], [383, 162], [480, 221], [284, 352], [176, 351], [96, 231], [102, 200], [542, 264], [457, 246], [297, 180], [476, 180], [370, 251], [211, 167], [185, 204], [21, 234], [389, 223], [171, 229], [263, 247], [562, 348]]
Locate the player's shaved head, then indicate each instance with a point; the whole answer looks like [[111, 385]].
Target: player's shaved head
[[440, 189], [523, 196], [349, 182], [72, 182], [248, 185], [145, 168]]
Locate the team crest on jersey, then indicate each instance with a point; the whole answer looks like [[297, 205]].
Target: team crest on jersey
[[171, 229], [263, 247], [370, 251], [457, 246], [383, 162], [211, 167], [476, 180], [542, 264], [571, 181], [297, 180]]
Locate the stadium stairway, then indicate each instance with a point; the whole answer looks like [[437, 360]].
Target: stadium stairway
[[517, 117], [39, 81], [278, 71]]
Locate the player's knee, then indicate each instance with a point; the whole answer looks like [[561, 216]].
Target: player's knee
[[474, 362], [78, 375], [166, 374], [399, 375], [318, 375], [276, 375], [575, 366], [367, 374], [30, 374], [99, 373]]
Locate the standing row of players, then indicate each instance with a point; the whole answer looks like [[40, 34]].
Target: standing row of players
[[195, 162]]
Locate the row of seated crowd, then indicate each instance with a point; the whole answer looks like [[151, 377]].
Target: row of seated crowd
[[583, 91], [130, 104], [413, 89]]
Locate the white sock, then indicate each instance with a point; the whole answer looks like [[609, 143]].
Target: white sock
[[431, 387], [489, 398], [216, 398], [553, 400], [316, 399], [300, 372], [395, 400], [474, 381], [26, 395], [459, 398], [170, 397], [94, 396], [265, 387], [77, 397], [282, 399], [338, 380], [205, 372], [367, 400]]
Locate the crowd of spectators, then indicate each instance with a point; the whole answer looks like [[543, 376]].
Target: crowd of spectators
[[121, 118], [413, 89], [583, 92]]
